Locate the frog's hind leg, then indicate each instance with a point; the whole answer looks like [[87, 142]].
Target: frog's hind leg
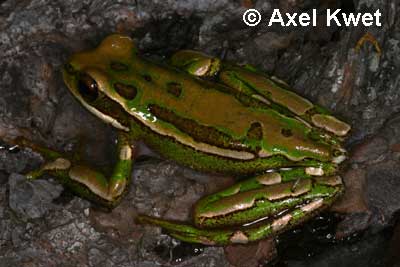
[[255, 89], [256, 208], [240, 235], [274, 93], [82, 179]]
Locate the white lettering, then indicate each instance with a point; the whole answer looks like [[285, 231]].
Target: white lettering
[[369, 17], [333, 18], [378, 16], [330, 16], [314, 11], [304, 19], [291, 19], [351, 19], [276, 17]]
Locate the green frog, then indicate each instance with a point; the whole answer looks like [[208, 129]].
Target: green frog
[[212, 116]]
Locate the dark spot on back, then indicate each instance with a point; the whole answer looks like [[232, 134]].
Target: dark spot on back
[[174, 88], [255, 131], [286, 132], [126, 91]]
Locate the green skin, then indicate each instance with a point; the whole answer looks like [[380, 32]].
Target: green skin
[[291, 157]]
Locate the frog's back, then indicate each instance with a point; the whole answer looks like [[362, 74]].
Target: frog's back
[[198, 115], [203, 116]]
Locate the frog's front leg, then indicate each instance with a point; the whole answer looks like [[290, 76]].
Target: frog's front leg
[[84, 180], [256, 208]]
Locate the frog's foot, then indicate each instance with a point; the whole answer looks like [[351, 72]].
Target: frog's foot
[[256, 208], [53, 159], [82, 179]]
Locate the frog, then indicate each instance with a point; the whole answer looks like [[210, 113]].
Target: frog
[[213, 116]]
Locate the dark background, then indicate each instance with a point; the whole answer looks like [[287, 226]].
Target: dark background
[[42, 225]]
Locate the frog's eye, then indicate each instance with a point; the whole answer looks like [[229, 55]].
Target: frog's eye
[[88, 88]]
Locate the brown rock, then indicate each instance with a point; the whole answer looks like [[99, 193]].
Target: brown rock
[[395, 147], [181, 207], [118, 223], [353, 204], [353, 200], [371, 150], [271, 41], [247, 3], [251, 255]]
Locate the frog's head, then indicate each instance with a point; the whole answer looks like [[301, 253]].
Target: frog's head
[[89, 76]]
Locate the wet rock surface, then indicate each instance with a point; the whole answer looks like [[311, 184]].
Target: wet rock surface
[[42, 226]]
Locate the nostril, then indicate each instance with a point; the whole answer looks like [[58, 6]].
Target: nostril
[[69, 69]]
